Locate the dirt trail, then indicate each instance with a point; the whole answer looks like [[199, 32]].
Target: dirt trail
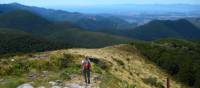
[[78, 82]]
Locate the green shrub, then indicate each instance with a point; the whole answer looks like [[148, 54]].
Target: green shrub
[[12, 82], [110, 81], [62, 61], [153, 82], [125, 84], [66, 61], [75, 69], [96, 69]]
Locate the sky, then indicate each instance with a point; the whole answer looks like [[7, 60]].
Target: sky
[[49, 3], [92, 6]]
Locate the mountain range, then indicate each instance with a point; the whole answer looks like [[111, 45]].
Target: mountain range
[[65, 34], [86, 21], [86, 30]]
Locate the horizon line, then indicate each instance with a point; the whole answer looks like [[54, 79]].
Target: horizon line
[[108, 4]]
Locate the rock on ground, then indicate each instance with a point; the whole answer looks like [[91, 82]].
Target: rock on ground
[[26, 85]]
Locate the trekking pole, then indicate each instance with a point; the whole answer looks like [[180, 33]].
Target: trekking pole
[[81, 78], [168, 82], [91, 76]]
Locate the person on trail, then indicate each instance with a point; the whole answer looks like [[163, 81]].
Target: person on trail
[[86, 69]]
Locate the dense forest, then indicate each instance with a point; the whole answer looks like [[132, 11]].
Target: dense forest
[[18, 41]]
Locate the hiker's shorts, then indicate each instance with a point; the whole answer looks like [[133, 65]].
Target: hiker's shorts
[[86, 73]]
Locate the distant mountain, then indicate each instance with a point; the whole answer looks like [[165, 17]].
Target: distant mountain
[[86, 21], [104, 23], [159, 29], [24, 20], [59, 32], [32, 23]]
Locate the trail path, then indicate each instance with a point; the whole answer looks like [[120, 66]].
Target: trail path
[[78, 82]]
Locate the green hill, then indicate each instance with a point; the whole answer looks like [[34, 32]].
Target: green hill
[[80, 38], [13, 41], [159, 29]]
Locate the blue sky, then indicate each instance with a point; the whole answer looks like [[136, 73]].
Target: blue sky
[[96, 2]]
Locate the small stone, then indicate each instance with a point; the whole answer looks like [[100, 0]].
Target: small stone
[[1, 80], [52, 83], [44, 74], [55, 87], [26, 85], [73, 85], [58, 82], [12, 60]]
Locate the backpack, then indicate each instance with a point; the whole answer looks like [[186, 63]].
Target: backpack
[[87, 65]]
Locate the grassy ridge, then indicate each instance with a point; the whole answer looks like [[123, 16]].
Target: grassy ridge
[[33, 67]]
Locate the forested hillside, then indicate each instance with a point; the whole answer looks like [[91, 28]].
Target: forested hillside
[[12, 41], [180, 58]]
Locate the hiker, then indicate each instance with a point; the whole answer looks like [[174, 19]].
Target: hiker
[[86, 68]]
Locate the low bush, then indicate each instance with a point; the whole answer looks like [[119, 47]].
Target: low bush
[[119, 62], [153, 82], [75, 69]]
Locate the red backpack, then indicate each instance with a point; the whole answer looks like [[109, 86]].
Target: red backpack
[[87, 65]]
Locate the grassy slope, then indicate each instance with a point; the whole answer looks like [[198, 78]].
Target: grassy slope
[[180, 58], [120, 66]]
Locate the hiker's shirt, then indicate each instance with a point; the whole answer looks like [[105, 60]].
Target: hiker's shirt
[[84, 62]]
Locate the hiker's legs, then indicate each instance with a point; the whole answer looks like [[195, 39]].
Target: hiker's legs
[[85, 75], [88, 76]]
